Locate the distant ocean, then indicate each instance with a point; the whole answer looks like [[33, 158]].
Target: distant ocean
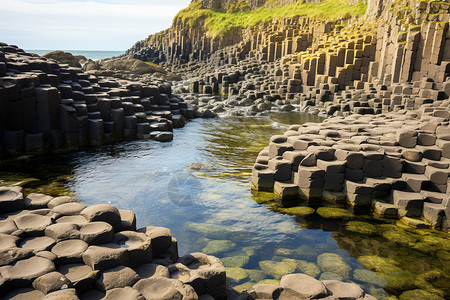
[[94, 55]]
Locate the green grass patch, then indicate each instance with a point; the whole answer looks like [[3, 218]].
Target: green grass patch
[[219, 23]]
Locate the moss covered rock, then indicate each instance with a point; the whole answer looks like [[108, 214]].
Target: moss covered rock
[[332, 262], [246, 286], [234, 261], [276, 269], [398, 280], [378, 264], [302, 211], [65, 58], [419, 294], [361, 227], [369, 277], [333, 213], [256, 275], [269, 281], [399, 236], [219, 246], [236, 274], [330, 276]]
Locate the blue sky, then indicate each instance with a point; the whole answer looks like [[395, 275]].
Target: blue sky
[[84, 24]]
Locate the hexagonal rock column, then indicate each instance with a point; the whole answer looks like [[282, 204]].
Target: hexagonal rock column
[[205, 273], [11, 199]]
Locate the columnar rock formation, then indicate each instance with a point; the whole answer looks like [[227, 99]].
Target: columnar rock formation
[[58, 248], [396, 163], [395, 42], [45, 105]]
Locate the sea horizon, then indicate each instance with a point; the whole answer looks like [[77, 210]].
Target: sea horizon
[[91, 54]]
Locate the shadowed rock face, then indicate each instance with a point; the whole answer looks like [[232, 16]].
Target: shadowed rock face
[[65, 58]]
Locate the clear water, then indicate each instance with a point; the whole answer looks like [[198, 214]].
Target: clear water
[[212, 209], [94, 55]]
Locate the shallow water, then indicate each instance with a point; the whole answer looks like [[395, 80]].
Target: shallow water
[[213, 210]]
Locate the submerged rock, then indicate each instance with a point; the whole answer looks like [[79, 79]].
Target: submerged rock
[[333, 213], [331, 262], [219, 246], [361, 227], [236, 274], [369, 277], [419, 294], [276, 269], [235, 261]]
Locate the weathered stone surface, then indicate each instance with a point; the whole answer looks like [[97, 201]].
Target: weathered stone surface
[[23, 272], [126, 293], [103, 213], [97, 233], [33, 224], [303, 286], [105, 256], [81, 276], [164, 288], [11, 199], [117, 277], [70, 251], [51, 282]]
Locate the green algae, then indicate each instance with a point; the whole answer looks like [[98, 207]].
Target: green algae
[[256, 275], [398, 280], [330, 276], [297, 210], [361, 227], [308, 268], [235, 261], [236, 274], [262, 197], [333, 213], [332, 262], [419, 294], [244, 286], [378, 264], [276, 269], [369, 277], [425, 281], [269, 281], [219, 246]]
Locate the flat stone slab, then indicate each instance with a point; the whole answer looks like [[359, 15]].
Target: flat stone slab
[[106, 256], [23, 272], [11, 199], [70, 251], [41, 243], [96, 233], [33, 224]]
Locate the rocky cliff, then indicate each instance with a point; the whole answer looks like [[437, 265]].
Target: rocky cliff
[[326, 42]]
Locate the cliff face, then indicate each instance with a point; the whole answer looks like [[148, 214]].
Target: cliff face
[[392, 42]]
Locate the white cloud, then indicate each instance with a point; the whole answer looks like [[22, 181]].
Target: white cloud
[[78, 24]]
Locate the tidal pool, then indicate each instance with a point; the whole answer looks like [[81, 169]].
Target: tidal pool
[[199, 187]]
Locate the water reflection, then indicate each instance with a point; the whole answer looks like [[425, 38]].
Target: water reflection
[[258, 240]]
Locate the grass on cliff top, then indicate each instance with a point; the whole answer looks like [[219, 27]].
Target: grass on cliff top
[[220, 23]]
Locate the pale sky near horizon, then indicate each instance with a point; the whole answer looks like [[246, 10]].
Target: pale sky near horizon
[[84, 24]]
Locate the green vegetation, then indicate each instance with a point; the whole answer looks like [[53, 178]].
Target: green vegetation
[[220, 23]]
